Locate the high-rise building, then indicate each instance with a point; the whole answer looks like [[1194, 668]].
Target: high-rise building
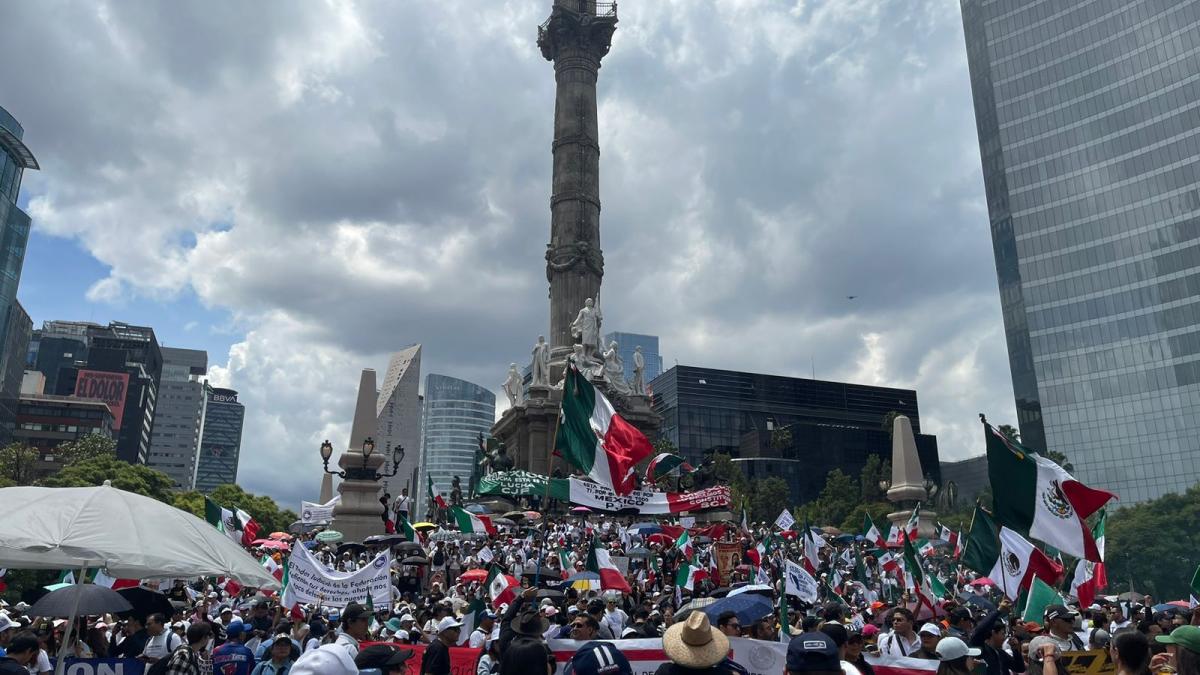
[[627, 343], [119, 364], [456, 413], [179, 417], [1090, 142], [15, 158], [398, 415], [45, 421], [220, 440], [793, 428]]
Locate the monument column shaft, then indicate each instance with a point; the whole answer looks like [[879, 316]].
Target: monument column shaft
[[575, 37]]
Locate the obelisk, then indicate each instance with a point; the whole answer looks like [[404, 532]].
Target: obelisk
[[575, 37]]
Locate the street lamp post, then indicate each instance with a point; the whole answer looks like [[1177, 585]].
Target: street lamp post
[[363, 472]]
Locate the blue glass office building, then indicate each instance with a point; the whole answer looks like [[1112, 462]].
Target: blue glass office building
[[628, 342], [1088, 115], [15, 157], [456, 412]]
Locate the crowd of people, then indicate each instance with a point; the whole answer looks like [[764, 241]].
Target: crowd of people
[[863, 617]]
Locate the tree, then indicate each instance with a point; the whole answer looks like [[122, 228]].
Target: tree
[[768, 497], [1010, 432], [837, 499], [264, 509], [868, 480], [781, 439], [84, 448], [726, 472], [1153, 546], [889, 422], [1059, 459], [17, 464], [135, 478]]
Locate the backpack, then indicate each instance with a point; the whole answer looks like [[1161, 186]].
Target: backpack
[[159, 667]]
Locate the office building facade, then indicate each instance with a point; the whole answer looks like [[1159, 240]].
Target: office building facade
[[179, 417], [44, 422], [398, 418], [15, 326], [792, 428], [220, 440], [456, 413], [627, 344], [1086, 113]]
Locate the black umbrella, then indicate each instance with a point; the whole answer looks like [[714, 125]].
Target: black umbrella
[[544, 576], [415, 560], [550, 593], [351, 547], [977, 600], [410, 547], [384, 539], [146, 602], [80, 600]]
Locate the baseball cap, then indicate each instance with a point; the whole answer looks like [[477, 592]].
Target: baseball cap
[[325, 660], [598, 658], [383, 657], [1187, 637], [961, 614], [447, 623], [5, 623], [354, 612], [950, 648], [931, 628], [813, 651], [1058, 612], [234, 629]]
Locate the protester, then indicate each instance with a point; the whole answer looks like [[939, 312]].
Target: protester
[[390, 660], [598, 658], [437, 655], [160, 642], [325, 660], [694, 647], [1183, 650], [278, 659], [233, 657], [955, 656], [193, 658], [903, 639], [22, 650], [930, 634], [812, 654], [527, 649]]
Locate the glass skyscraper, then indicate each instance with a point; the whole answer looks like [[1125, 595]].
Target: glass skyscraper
[[220, 440], [15, 325], [456, 412], [1088, 114], [628, 342]]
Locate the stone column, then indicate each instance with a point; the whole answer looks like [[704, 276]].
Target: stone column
[[575, 37], [908, 482]]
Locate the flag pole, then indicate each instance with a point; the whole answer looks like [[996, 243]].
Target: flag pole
[[549, 477]]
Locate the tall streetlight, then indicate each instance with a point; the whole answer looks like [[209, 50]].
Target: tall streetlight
[[363, 472]]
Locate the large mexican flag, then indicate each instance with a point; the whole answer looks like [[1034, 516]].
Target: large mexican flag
[[1033, 494], [1007, 558], [593, 437]]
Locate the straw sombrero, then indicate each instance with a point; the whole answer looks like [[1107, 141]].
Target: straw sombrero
[[694, 643]]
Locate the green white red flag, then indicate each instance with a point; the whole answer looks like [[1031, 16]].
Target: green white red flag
[[610, 575], [1005, 557], [1035, 495], [472, 523], [437, 498], [593, 437], [664, 464], [502, 588], [1090, 577], [872, 533]]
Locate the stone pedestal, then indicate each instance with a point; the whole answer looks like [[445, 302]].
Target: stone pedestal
[[358, 515], [907, 487]]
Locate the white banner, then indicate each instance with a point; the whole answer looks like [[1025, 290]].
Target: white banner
[[318, 513], [601, 498], [310, 582], [785, 521], [485, 555], [800, 583]]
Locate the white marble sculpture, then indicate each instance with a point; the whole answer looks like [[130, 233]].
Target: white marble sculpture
[[513, 387], [586, 327], [541, 363], [639, 372], [614, 370]]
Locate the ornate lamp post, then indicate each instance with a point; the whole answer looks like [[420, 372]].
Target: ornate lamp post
[[363, 472], [357, 516]]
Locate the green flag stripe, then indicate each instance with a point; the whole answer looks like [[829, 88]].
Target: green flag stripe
[[983, 543], [576, 441], [1013, 475]]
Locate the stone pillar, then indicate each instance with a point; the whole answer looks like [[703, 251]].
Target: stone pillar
[[358, 514], [575, 37], [908, 481]]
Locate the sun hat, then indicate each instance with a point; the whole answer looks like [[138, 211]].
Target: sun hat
[[447, 623], [694, 643], [813, 651], [325, 660], [598, 658], [1187, 637], [950, 648], [393, 624]]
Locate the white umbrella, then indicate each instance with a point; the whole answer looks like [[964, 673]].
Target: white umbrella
[[130, 536]]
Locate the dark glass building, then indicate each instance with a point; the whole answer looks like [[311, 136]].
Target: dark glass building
[[455, 413], [793, 428], [1089, 133], [44, 422], [221, 440], [15, 325]]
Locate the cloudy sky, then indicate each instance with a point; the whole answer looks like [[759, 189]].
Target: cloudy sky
[[300, 188]]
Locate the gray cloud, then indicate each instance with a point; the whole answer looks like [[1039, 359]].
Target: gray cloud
[[347, 179]]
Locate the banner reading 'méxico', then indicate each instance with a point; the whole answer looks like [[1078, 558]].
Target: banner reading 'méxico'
[[601, 498]]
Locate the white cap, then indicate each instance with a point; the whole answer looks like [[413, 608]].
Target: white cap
[[931, 628], [950, 648], [5, 622], [325, 660], [447, 623], [407, 617]]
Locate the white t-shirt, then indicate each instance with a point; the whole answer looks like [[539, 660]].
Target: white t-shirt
[[158, 646], [893, 644], [42, 664]]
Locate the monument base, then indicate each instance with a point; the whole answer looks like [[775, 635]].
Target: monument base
[[358, 515], [926, 522]]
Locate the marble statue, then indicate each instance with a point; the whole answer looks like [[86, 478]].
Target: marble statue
[[513, 387], [586, 327], [541, 363], [614, 370], [639, 372]]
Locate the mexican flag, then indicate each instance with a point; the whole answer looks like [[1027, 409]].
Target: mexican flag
[[564, 561], [1005, 556], [915, 575], [502, 589], [405, 528], [872, 533], [237, 525], [684, 544], [610, 576], [1033, 494], [273, 568], [593, 437], [469, 522], [689, 573], [102, 579], [889, 562], [472, 617], [926, 549], [948, 535], [664, 464], [1090, 576], [812, 557], [1039, 597], [433, 493], [914, 523]]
